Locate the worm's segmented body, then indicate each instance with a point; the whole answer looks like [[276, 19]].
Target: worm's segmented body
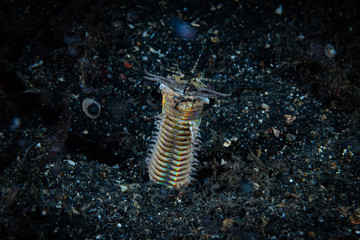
[[173, 152]]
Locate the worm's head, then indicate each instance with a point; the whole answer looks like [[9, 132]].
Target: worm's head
[[185, 86]]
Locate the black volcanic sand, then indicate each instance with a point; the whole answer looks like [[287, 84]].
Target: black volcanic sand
[[279, 158]]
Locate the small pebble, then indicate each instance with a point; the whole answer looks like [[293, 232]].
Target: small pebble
[[289, 118], [227, 143], [223, 162], [35, 65], [279, 10], [276, 132], [265, 106], [215, 39], [330, 51], [72, 163], [75, 212], [290, 137], [152, 50], [123, 188]]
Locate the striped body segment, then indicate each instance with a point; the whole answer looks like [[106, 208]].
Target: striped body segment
[[173, 152]]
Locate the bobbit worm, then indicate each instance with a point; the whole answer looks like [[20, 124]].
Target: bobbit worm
[[172, 153]]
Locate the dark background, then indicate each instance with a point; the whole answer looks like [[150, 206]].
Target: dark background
[[261, 175]]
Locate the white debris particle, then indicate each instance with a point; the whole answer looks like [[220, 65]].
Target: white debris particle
[[279, 10], [35, 65], [72, 163], [123, 188], [265, 106], [227, 143], [330, 51]]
